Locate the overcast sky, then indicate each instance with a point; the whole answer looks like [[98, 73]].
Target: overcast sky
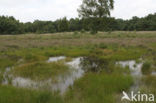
[[30, 10]]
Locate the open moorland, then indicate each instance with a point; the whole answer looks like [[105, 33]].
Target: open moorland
[[76, 67]]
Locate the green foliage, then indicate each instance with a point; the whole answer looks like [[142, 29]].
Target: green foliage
[[6, 61], [1, 78], [146, 68], [63, 25], [149, 84], [93, 32], [147, 23], [102, 46], [95, 64], [96, 8], [40, 70], [10, 94], [98, 88], [9, 25], [44, 97], [95, 87], [75, 24], [43, 27]]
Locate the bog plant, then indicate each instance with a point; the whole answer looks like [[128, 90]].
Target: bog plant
[[146, 68], [40, 70]]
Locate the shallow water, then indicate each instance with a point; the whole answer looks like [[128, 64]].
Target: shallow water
[[6, 77], [136, 73], [153, 73], [64, 81], [55, 59], [61, 84]]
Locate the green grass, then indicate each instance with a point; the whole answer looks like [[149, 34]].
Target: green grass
[[9, 94], [1, 77], [6, 62], [28, 55], [98, 88], [148, 85], [150, 82], [146, 68], [125, 53], [40, 70], [112, 51]]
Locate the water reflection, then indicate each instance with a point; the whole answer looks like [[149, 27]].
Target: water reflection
[[55, 59], [136, 72], [6, 77], [62, 83], [153, 73]]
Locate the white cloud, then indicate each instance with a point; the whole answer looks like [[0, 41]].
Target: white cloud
[[129, 8], [29, 10]]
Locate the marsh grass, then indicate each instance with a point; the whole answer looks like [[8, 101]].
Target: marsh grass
[[6, 62], [146, 68], [10, 94], [148, 85], [40, 70], [98, 88], [1, 78], [94, 87]]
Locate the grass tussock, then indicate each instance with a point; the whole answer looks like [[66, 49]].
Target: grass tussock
[[146, 68], [40, 70]]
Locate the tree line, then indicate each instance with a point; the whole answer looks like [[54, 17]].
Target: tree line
[[9, 25]]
